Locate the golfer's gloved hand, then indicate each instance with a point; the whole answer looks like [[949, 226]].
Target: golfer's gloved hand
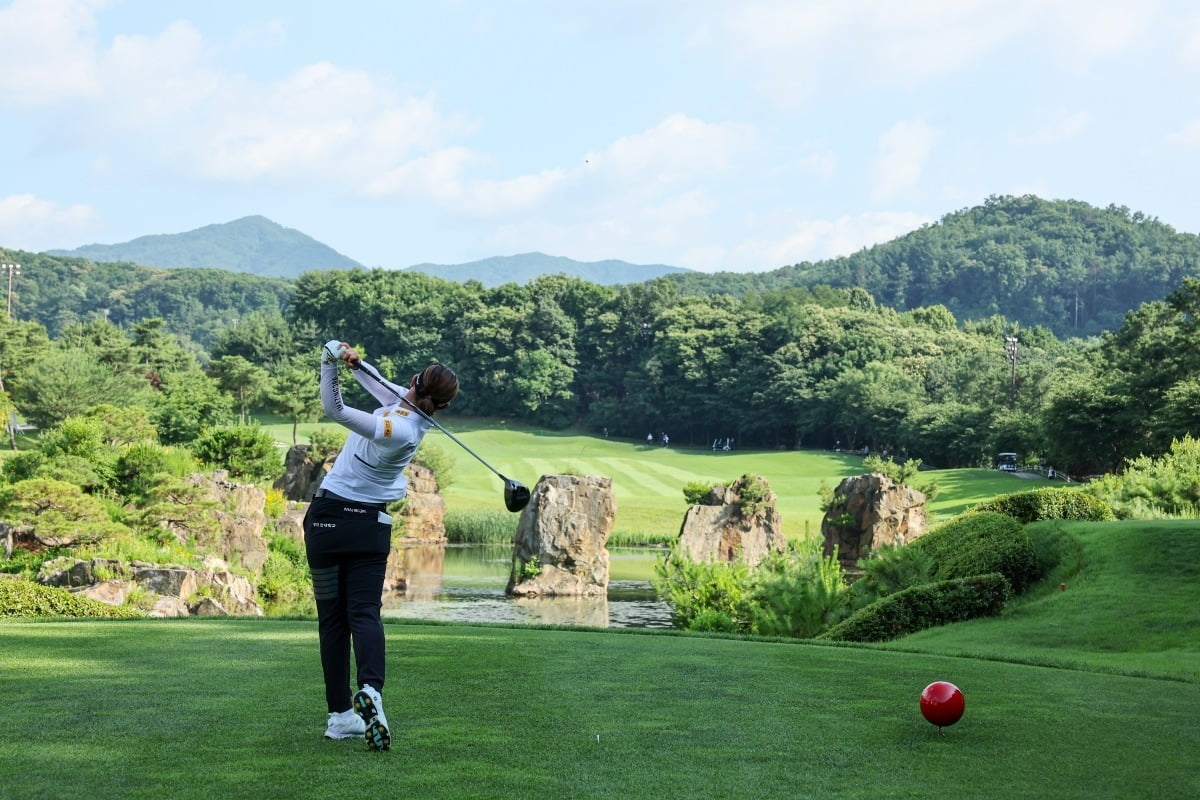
[[332, 352]]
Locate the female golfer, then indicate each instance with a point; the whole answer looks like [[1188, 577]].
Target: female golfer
[[348, 533]]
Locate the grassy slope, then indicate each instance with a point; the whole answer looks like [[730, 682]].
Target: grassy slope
[[649, 480], [1132, 604]]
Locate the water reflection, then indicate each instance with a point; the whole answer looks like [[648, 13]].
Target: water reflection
[[465, 583]]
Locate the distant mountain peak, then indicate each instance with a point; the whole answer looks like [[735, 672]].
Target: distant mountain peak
[[524, 267], [252, 244]]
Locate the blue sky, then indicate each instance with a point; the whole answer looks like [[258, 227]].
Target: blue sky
[[711, 135]]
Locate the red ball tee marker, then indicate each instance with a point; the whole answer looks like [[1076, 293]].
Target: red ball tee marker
[[942, 704]]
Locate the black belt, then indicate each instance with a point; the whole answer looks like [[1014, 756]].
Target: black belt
[[328, 495]]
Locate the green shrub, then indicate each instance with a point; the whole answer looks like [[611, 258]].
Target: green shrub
[[703, 592], [28, 599], [1153, 488], [247, 451], [325, 443], [921, 607], [1049, 503], [754, 493], [285, 586], [696, 494], [435, 458], [143, 466], [889, 570], [797, 593], [22, 466], [906, 474], [976, 543]]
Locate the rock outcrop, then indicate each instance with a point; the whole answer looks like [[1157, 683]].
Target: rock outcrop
[[424, 515], [242, 520], [868, 512], [734, 523], [173, 591], [302, 474], [562, 535]]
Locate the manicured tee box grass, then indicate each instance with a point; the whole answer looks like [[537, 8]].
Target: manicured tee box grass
[[235, 709], [649, 479]]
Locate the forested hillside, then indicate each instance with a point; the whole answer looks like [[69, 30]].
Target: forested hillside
[[782, 368], [255, 245], [196, 304], [1066, 265]]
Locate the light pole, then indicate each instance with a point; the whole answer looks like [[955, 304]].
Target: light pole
[[13, 269], [1010, 346]]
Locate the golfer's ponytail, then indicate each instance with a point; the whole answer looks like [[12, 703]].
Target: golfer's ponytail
[[436, 386]]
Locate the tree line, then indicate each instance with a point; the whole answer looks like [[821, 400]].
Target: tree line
[[790, 368]]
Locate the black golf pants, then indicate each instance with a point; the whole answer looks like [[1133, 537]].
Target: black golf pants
[[347, 548]]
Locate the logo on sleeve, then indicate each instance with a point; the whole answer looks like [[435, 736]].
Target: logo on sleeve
[[387, 429]]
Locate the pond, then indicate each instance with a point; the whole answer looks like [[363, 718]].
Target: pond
[[465, 583]]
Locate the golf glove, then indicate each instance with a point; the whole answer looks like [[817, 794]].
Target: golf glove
[[333, 351]]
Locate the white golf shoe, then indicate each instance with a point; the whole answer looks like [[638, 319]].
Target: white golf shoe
[[369, 706], [344, 725]]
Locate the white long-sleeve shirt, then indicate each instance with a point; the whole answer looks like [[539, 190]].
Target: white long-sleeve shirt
[[380, 445]]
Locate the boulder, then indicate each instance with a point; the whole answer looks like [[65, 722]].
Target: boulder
[[423, 516], [868, 512], [291, 524], [240, 513], [301, 474], [561, 539], [169, 607], [112, 592], [70, 572], [728, 527]]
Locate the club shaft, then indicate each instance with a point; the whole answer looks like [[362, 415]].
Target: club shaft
[[367, 370]]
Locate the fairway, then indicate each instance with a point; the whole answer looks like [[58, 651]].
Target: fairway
[[648, 480]]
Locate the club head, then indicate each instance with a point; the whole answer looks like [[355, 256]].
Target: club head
[[516, 495]]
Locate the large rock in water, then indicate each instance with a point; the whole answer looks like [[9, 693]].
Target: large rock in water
[[727, 526], [561, 543], [424, 515], [868, 512]]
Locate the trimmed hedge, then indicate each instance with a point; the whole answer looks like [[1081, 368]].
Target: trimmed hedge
[[29, 599], [920, 607], [1049, 503], [977, 543]]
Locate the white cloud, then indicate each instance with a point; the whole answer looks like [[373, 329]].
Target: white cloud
[[901, 155], [1188, 136], [1190, 52], [47, 51], [678, 149], [792, 49], [1066, 126], [30, 223], [797, 238]]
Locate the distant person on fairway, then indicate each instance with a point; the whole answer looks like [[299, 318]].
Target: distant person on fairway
[[348, 533]]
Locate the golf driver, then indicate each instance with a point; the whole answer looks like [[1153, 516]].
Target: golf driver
[[516, 494]]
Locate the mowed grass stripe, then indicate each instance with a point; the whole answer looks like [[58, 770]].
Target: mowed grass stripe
[[634, 478]]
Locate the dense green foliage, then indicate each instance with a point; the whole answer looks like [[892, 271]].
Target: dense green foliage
[[980, 543], [1063, 265], [925, 606], [20, 598], [939, 347], [1168, 486], [796, 593], [246, 451], [1049, 503]]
